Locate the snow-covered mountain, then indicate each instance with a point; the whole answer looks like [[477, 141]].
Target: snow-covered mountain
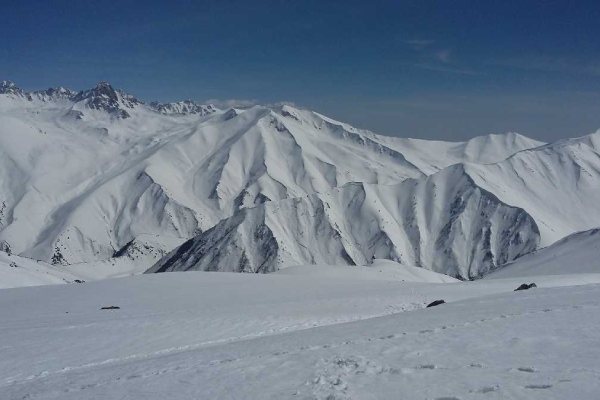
[[85, 174], [105, 98], [443, 222], [555, 187], [557, 184]]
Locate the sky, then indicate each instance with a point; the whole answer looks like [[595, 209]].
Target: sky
[[429, 69]]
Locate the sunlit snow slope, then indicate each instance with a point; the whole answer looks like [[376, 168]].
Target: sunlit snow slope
[[578, 253], [18, 271], [557, 184]]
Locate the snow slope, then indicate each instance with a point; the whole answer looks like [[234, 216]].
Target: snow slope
[[84, 173], [555, 187], [431, 156], [578, 253], [208, 335], [380, 270], [443, 222], [557, 184], [18, 271]]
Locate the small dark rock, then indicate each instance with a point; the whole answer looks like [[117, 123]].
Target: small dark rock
[[111, 308], [435, 303], [78, 281], [526, 286]]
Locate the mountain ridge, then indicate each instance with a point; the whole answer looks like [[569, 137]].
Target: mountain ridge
[[101, 168]]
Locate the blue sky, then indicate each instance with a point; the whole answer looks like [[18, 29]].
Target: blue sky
[[429, 69]]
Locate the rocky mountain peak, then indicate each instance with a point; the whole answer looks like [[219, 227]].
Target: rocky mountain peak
[[55, 93], [104, 97], [9, 87]]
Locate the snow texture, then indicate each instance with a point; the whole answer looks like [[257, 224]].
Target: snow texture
[[339, 335]]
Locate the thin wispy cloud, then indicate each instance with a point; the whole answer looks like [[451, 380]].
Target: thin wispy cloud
[[446, 68], [418, 44], [432, 57], [550, 64], [443, 55]]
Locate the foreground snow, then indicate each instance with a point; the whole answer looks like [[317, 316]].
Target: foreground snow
[[321, 333]]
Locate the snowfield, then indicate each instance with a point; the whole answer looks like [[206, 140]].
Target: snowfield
[[576, 254], [18, 271], [335, 335]]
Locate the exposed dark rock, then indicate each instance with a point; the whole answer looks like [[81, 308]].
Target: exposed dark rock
[[5, 247], [111, 308], [184, 107], [104, 97], [123, 250], [8, 87], [58, 257], [435, 303], [526, 286]]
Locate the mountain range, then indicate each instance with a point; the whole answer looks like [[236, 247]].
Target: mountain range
[[100, 180]]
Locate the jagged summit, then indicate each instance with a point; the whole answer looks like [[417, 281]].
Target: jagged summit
[[58, 93], [10, 88], [7, 87], [105, 97]]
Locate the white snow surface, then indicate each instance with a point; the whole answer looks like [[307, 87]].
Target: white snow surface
[[578, 253], [379, 269], [337, 335], [18, 271]]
